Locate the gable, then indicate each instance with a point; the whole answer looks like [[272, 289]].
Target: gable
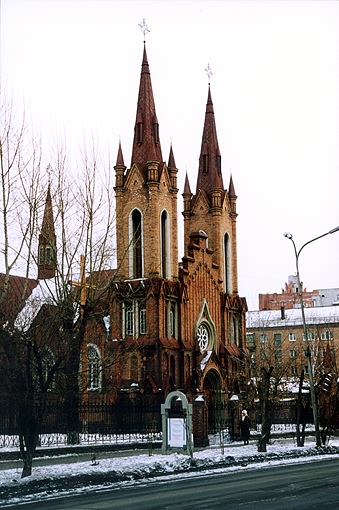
[[200, 203], [134, 179], [164, 178]]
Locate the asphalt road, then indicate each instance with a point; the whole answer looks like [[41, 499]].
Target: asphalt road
[[300, 486]]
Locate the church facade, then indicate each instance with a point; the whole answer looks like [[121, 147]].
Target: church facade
[[161, 325], [173, 326]]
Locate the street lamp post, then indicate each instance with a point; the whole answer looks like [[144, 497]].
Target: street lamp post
[[308, 350]]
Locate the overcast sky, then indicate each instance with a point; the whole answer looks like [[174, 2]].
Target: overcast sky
[[275, 88]]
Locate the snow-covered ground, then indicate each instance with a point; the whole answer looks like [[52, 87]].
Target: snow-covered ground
[[65, 477]]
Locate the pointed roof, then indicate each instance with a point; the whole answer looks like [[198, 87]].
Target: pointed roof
[[209, 173], [187, 188], [231, 190], [120, 158], [47, 232], [171, 160], [146, 143]]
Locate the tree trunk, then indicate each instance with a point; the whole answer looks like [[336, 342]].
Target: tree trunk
[[28, 438], [75, 334], [27, 466], [265, 409], [300, 414]]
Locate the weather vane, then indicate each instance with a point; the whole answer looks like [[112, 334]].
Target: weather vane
[[144, 28], [209, 72]]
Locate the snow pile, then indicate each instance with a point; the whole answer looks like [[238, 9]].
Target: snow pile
[[70, 475]]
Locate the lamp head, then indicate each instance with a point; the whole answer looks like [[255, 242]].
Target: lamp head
[[334, 230], [288, 235]]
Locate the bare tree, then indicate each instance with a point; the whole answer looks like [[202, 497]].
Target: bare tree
[[84, 225]]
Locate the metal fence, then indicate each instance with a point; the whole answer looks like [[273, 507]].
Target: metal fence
[[91, 418], [128, 421]]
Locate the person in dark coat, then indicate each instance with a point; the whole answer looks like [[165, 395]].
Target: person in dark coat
[[245, 426]]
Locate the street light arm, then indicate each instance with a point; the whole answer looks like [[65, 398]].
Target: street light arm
[[315, 239], [309, 363]]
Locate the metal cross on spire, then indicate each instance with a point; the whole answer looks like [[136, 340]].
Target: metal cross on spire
[[144, 28], [209, 73]]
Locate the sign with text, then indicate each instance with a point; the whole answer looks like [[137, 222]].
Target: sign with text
[[176, 432]]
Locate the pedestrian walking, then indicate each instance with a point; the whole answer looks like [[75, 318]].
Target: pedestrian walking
[[245, 426]]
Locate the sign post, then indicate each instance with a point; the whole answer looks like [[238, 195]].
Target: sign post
[[177, 430]]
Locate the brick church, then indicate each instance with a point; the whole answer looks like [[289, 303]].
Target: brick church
[[162, 325], [172, 325]]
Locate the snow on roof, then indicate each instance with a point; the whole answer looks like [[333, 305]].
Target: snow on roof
[[44, 293], [293, 317]]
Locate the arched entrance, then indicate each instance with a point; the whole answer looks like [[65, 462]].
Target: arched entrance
[[215, 402]]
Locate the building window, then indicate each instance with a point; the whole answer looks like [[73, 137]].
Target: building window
[[139, 132], [156, 131], [93, 368], [250, 339], [205, 163], [42, 370], [142, 319], [327, 335], [277, 340], [164, 226], [218, 163], [171, 319], [293, 353], [310, 336], [263, 354], [263, 338], [136, 244], [227, 264], [129, 322], [234, 329], [278, 354], [293, 371], [41, 255], [292, 337], [48, 255]]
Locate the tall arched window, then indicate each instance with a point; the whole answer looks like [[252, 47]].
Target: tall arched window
[[42, 370], [227, 262], [136, 244], [142, 319], [93, 368], [172, 322], [129, 319], [164, 245]]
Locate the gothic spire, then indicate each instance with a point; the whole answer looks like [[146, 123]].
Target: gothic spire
[[120, 158], [209, 173], [231, 189], [187, 188], [47, 241], [146, 143]]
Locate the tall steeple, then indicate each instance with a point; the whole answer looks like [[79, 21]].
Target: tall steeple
[[213, 209], [146, 197], [47, 242], [209, 173], [146, 142]]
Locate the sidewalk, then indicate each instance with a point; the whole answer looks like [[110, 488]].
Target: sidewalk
[[69, 474], [84, 453]]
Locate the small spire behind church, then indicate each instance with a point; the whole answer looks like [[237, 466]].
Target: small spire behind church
[[47, 241]]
